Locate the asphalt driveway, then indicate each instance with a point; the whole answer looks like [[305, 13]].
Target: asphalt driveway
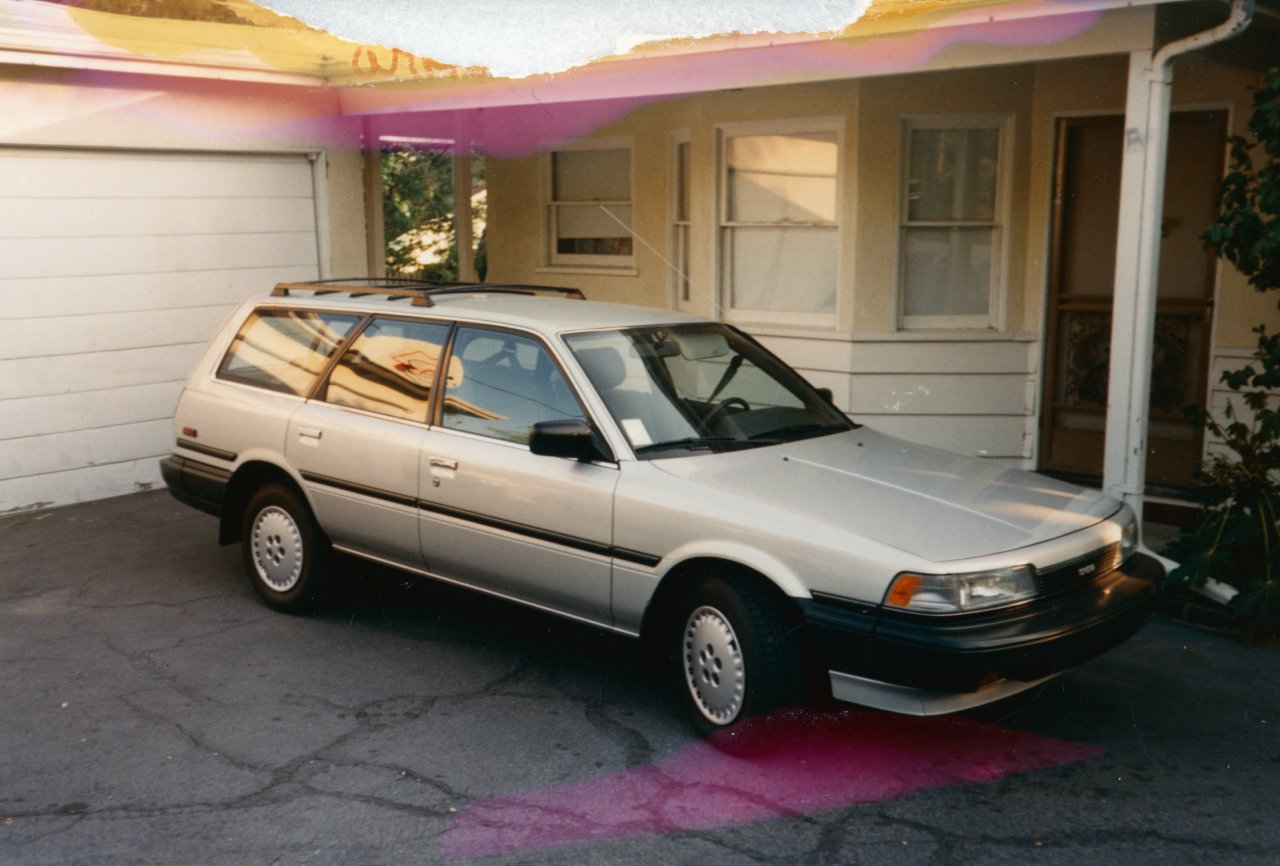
[[153, 711]]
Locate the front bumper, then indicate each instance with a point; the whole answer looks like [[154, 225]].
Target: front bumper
[[960, 660]]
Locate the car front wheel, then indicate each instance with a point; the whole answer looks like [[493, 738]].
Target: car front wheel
[[285, 552], [737, 655]]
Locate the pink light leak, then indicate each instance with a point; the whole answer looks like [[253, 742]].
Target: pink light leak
[[554, 109], [794, 762], [513, 118]]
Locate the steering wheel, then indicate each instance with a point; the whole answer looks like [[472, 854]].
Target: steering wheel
[[722, 408]]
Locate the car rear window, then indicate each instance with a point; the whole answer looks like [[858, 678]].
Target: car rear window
[[284, 350]]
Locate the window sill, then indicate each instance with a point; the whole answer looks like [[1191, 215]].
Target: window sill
[[932, 336], [593, 270]]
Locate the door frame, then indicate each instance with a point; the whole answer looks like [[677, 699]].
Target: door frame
[[1062, 123]]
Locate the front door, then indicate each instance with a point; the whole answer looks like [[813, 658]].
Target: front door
[[1082, 277], [497, 516]]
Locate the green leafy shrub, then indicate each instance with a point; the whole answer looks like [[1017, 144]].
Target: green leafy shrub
[[417, 214], [1236, 537]]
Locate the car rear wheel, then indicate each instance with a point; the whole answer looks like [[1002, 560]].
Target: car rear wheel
[[736, 654], [285, 553]]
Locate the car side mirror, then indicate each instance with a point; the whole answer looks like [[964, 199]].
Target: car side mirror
[[826, 394], [571, 438]]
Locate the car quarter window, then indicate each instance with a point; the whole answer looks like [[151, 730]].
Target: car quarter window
[[284, 350], [390, 369], [500, 384]]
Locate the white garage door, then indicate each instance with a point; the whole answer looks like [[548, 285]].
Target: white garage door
[[115, 269]]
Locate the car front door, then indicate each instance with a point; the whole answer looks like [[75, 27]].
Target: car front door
[[493, 514]]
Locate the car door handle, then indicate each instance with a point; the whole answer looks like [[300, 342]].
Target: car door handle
[[443, 462], [310, 432]]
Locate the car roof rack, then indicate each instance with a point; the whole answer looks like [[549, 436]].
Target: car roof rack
[[420, 291]]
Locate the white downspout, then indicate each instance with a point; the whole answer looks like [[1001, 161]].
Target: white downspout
[[1138, 254]]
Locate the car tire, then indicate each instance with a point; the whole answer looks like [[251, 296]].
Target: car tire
[[736, 654], [285, 553]]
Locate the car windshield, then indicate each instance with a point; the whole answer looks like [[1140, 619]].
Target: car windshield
[[700, 387]]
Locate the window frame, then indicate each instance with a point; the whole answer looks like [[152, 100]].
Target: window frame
[[724, 227], [679, 230], [436, 414], [999, 225], [554, 259]]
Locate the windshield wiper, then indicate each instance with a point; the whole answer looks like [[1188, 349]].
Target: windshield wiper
[[796, 431], [708, 443]]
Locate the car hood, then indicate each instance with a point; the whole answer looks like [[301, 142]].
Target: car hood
[[924, 501]]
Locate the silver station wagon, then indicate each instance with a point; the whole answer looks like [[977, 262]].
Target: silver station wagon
[[651, 473]]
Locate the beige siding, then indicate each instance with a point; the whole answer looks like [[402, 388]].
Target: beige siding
[[974, 397]]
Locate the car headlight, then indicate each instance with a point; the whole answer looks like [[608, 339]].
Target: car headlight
[[956, 593], [1128, 532]]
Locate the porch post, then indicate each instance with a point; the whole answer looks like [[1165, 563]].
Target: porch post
[[1146, 139], [375, 228], [462, 211], [1137, 266]]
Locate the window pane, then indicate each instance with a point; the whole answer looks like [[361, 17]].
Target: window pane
[[284, 350], [779, 178], [390, 369], [789, 269], [682, 181], [591, 230], [591, 175], [948, 271], [682, 260], [500, 385], [953, 174], [593, 221]]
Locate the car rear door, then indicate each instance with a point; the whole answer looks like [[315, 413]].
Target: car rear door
[[497, 516], [358, 441]]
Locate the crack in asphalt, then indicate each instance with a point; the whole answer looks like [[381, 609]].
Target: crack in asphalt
[[636, 749]]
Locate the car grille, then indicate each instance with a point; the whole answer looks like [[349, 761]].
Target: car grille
[[1079, 571]]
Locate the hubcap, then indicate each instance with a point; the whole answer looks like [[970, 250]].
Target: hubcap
[[277, 548], [713, 665]]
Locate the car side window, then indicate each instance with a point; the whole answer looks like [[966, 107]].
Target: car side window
[[503, 384], [390, 369], [284, 350]]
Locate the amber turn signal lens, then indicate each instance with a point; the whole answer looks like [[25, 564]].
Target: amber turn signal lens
[[903, 588]]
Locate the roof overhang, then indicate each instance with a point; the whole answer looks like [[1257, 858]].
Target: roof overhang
[[890, 35], [393, 92]]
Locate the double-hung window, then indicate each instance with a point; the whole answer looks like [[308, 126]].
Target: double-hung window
[[589, 205], [953, 222], [779, 221]]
